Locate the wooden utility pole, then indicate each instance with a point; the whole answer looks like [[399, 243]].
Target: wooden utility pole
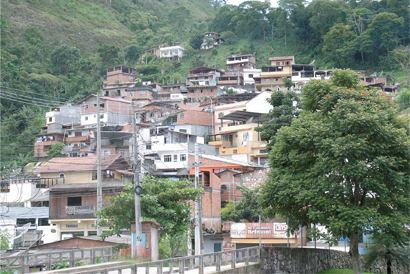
[[99, 182], [139, 248]]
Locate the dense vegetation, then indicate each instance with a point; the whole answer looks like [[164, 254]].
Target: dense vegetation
[[55, 51]]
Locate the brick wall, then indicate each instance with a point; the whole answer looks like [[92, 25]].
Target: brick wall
[[193, 117]]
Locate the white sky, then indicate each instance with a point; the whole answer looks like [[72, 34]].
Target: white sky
[[274, 3]]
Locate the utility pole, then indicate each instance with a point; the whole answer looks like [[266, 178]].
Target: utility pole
[[139, 248], [99, 182], [198, 213]]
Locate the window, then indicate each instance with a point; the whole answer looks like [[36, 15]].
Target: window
[[182, 116], [102, 105], [262, 151], [61, 175], [94, 175], [175, 158], [118, 92], [246, 136], [50, 119], [278, 63], [86, 118], [85, 106], [148, 146], [22, 221], [110, 77], [276, 79], [95, 116], [167, 158], [212, 90], [77, 133], [43, 222], [131, 95], [266, 80], [235, 151], [73, 201], [220, 114], [202, 91], [142, 93], [107, 93], [102, 116], [123, 153], [183, 130], [250, 76], [182, 157]]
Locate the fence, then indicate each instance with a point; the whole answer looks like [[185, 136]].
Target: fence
[[184, 264], [72, 257]]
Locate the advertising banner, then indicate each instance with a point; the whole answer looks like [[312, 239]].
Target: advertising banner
[[267, 231]]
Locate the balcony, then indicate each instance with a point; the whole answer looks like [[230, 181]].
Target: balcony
[[234, 150], [228, 82]]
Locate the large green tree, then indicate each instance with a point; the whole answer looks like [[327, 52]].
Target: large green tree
[[163, 200], [344, 163]]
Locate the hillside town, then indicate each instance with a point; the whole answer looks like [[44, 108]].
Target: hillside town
[[213, 115]]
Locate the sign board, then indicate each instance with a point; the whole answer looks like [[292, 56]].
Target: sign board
[[79, 211], [267, 231]]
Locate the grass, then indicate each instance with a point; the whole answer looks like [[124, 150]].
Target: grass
[[340, 271]]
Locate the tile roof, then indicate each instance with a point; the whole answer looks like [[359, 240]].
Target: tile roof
[[185, 107], [77, 163]]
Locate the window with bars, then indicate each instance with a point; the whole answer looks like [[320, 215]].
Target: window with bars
[[167, 158]]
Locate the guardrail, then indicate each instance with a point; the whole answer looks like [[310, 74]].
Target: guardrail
[[72, 257], [186, 264]]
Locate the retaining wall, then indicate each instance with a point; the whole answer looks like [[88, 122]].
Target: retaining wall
[[282, 260]]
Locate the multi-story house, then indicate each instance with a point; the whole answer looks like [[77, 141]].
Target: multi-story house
[[113, 111], [171, 52], [235, 66], [117, 80], [202, 84], [224, 109], [211, 39], [237, 138], [72, 186], [270, 78], [139, 95], [58, 120]]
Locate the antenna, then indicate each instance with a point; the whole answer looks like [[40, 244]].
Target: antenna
[[21, 231]]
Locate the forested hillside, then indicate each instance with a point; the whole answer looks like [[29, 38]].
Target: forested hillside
[[56, 51]]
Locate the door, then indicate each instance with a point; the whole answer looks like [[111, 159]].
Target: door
[[217, 247]]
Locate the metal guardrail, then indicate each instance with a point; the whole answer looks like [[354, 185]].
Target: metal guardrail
[[72, 257], [185, 264]]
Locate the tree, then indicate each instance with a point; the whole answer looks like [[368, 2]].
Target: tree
[[384, 30], [402, 56], [4, 239], [383, 249], [133, 53], [282, 114], [179, 16], [196, 40], [109, 54], [343, 163], [247, 208], [337, 47], [56, 150], [64, 59], [163, 200]]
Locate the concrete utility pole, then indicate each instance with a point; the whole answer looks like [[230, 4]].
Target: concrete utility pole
[[198, 213], [99, 182], [139, 248]]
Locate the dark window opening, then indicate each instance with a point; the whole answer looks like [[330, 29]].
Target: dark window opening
[[43, 222], [73, 201], [21, 222]]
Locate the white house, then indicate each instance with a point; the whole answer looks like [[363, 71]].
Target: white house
[[169, 52], [248, 75]]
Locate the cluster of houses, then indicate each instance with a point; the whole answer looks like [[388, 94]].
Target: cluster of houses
[[59, 197]]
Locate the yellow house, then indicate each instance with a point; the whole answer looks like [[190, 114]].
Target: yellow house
[[74, 170], [271, 77], [240, 140]]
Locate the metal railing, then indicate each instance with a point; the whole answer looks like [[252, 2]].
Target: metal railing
[[184, 264], [72, 257]]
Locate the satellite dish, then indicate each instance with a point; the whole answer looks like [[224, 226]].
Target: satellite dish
[[21, 231]]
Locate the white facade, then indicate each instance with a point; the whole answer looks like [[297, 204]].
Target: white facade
[[63, 115], [170, 155], [21, 194], [259, 104], [300, 79], [249, 74], [89, 119], [169, 52]]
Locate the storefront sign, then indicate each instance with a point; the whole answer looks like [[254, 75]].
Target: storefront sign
[[251, 230], [79, 211]]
